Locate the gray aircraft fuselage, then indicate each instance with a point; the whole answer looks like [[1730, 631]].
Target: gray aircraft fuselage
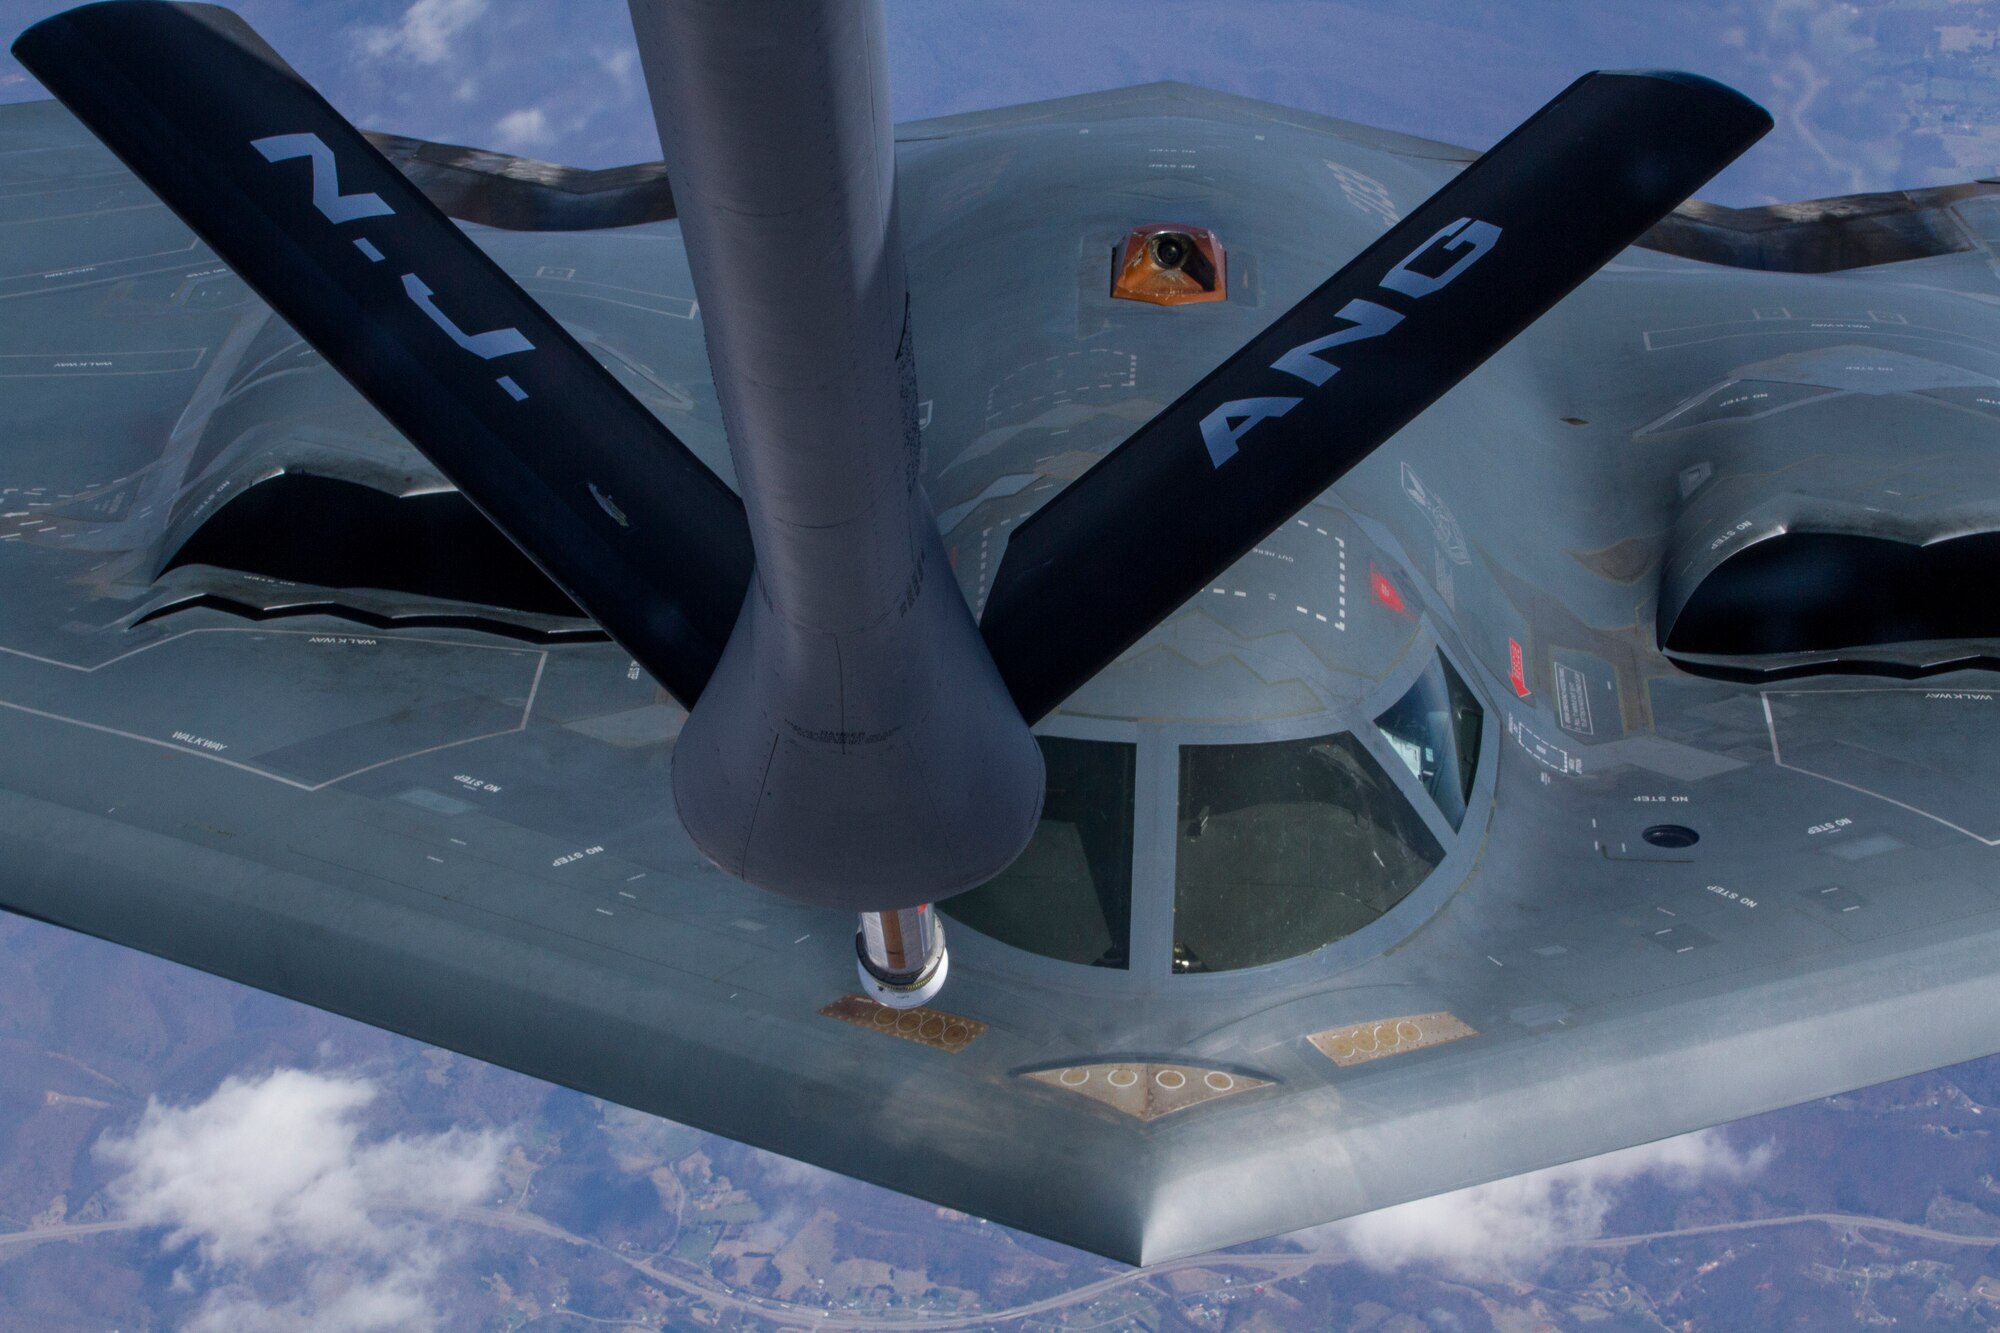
[[449, 814]]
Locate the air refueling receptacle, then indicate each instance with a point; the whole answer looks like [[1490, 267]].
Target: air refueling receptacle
[[901, 956]]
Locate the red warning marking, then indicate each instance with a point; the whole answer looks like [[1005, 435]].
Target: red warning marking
[[1385, 591], [1517, 669], [954, 557]]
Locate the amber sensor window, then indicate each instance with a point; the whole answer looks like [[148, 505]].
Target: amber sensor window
[[1168, 264]]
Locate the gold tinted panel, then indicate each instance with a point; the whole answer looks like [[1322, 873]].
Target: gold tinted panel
[[1359, 1043], [1147, 1091], [934, 1028]]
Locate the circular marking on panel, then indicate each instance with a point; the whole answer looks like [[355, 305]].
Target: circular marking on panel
[[1370, 1048], [956, 1033], [1343, 1047], [1121, 1078], [1073, 1078], [932, 1028], [1171, 1079], [909, 1021], [1407, 1032], [885, 1017], [1217, 1081]]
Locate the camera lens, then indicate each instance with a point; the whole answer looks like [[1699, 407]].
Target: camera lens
[[1170, 250]]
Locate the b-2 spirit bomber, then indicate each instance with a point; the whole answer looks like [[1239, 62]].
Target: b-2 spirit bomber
[[1392, 665]]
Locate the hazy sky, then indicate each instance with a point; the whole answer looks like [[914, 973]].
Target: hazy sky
[[561, 80]]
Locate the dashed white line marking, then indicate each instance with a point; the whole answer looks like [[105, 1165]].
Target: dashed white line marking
[[1340, 610], [1339, 617]]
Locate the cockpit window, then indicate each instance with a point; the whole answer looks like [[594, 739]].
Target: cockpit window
[[1434, 728], [1287, 846], [1069, 895]]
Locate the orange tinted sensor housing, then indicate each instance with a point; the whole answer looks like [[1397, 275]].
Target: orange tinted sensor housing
[[1164, 263]]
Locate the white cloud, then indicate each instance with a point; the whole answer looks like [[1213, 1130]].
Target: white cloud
[[296, 1220], [524, 131], [641, 1142], [336, 1300], [794, 1175], [623, 67], [1519, 1224], [799, 1192], [425, 33]]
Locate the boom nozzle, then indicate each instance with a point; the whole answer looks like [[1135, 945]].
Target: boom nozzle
[[901, 956]]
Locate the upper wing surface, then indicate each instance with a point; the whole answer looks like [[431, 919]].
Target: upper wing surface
[[466, 837]]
